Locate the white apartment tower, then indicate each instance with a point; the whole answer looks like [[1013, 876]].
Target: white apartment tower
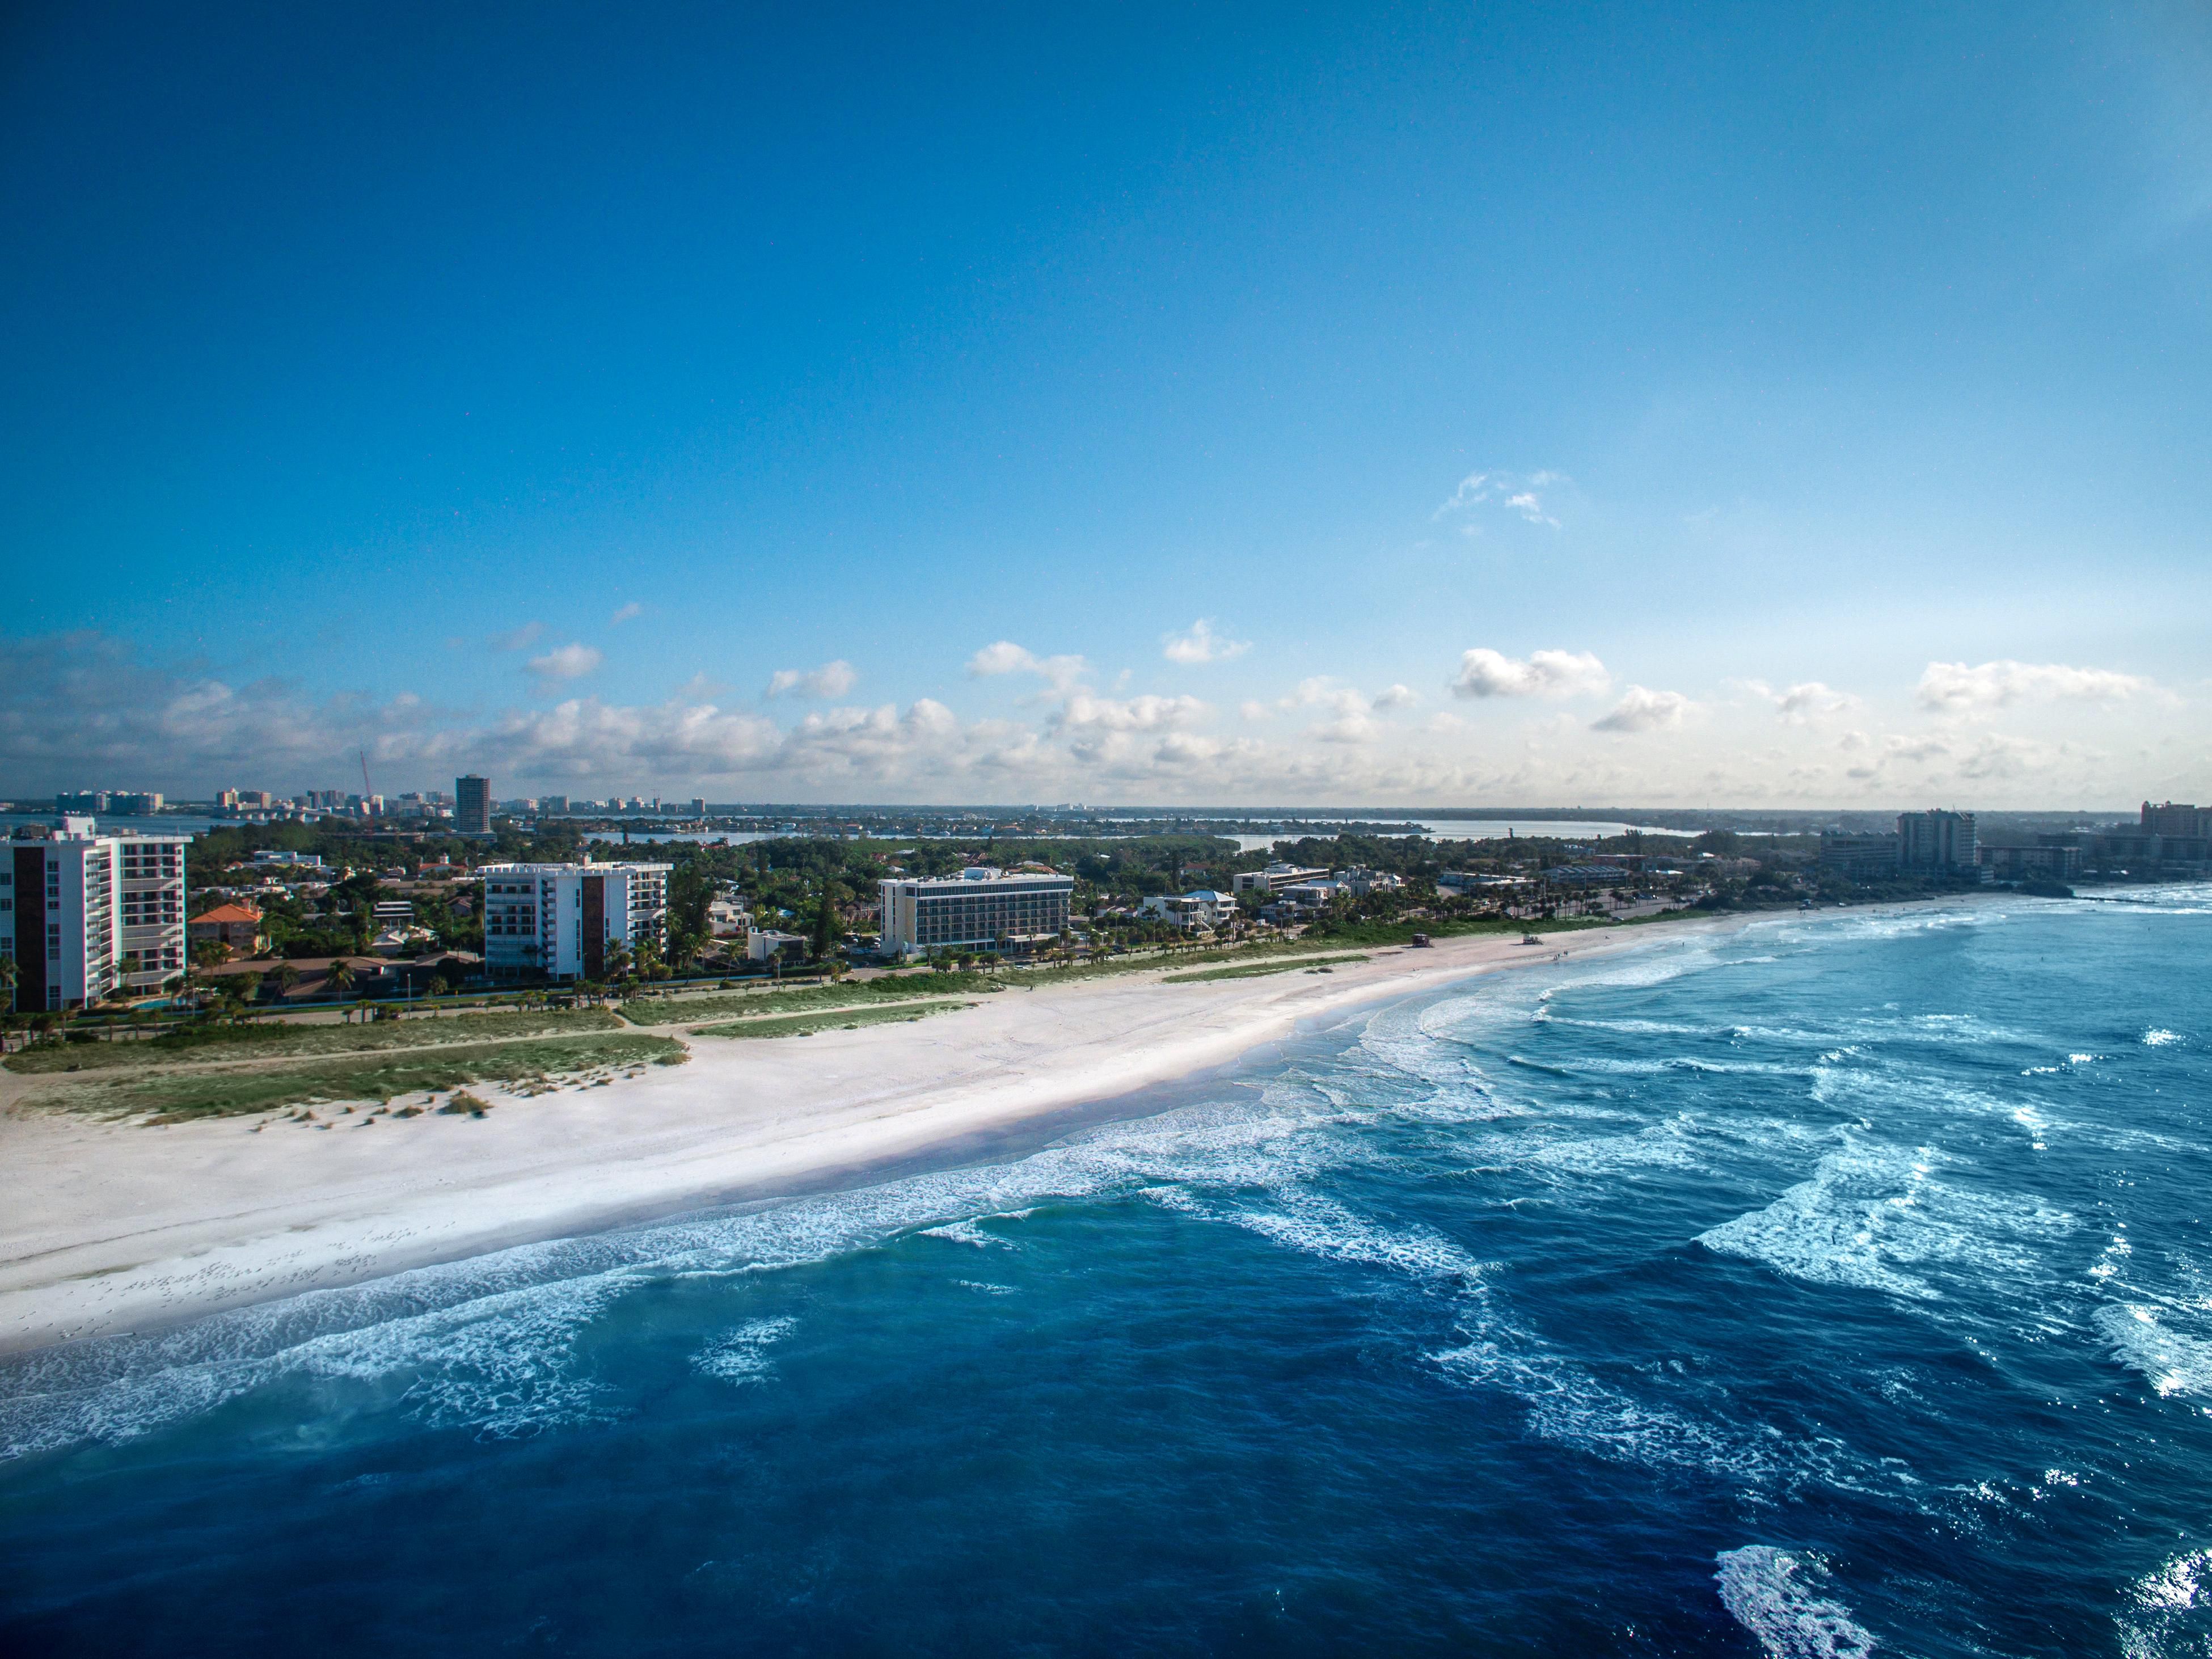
[[87, 916], [562, 920], [1938, 840]]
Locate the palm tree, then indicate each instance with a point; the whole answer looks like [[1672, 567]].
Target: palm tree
[[8, 973], [340, 979]]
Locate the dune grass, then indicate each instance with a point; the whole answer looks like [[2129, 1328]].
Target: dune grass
[[846, 1020], [178, 1095], [268, 1041], [1252, 970], [855, 994]]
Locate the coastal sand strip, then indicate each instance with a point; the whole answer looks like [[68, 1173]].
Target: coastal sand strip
[[108, 1227]]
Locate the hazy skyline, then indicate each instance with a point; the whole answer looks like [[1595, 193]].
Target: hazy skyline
[[1153, 406]]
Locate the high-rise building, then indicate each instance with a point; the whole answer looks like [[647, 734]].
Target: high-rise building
[[472, 806], [87, 916], [81, 800], [978, 909], [562, 920], [1943, 842], [552, 805]]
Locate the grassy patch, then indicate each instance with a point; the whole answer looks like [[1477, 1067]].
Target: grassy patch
[[830, 1020], [202, 1044], [654, 1011], [1151, 962], [1252, 970], [213, 1091]]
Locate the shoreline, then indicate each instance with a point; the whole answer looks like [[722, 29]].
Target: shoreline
[[109, 1228]]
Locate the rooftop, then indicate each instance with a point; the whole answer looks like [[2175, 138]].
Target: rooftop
[[229, 913]]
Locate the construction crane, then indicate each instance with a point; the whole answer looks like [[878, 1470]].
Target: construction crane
[[367, 788]]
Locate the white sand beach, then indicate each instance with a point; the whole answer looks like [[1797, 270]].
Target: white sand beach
[[108, 1227]]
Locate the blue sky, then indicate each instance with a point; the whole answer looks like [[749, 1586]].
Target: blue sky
[[525, 390]]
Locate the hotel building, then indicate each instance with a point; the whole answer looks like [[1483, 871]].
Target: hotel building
[[563, 919], [979, 909], [87, 916]]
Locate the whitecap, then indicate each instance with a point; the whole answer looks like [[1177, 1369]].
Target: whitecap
[[968, 1232], [1871, 1213], [1776, 1596], [2173, 1362], [741, 1355]]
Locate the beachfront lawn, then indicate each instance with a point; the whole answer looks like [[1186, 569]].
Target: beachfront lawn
[[176, 1095]]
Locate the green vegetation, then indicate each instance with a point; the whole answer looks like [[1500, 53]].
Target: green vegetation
[[1252, 970], [1401, 932], [256, 1041], [849, 1020], [674, 1010], [176, 1095]]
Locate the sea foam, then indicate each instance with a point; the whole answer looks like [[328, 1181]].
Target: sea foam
[[1776, 1596]]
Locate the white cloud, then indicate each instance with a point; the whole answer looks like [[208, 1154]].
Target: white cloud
[[1797, 704], [519, 639], [1952, 688], [567, 662], [1487, 673], [623, 613], [1200, 645], [1643, 710], [1810, 697], [832, 679], [1254, 710], [80, 706], [1145, 714], [585, 738], [1517, 493], [1004, 657], [1472, 489], [1354, 720], [1396, 696]]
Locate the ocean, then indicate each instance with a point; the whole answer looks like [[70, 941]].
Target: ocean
[[1839, 1285]]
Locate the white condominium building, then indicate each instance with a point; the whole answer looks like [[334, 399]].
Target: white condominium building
[[562, 920], [1938, 840], [979, 909], [87, 916]]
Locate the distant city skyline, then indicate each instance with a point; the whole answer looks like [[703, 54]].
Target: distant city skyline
[[1401, 408]]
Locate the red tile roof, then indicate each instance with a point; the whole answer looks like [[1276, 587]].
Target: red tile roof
[[230, 913]]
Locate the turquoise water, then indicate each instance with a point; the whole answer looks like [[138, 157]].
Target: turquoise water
[[1840, 1285]]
